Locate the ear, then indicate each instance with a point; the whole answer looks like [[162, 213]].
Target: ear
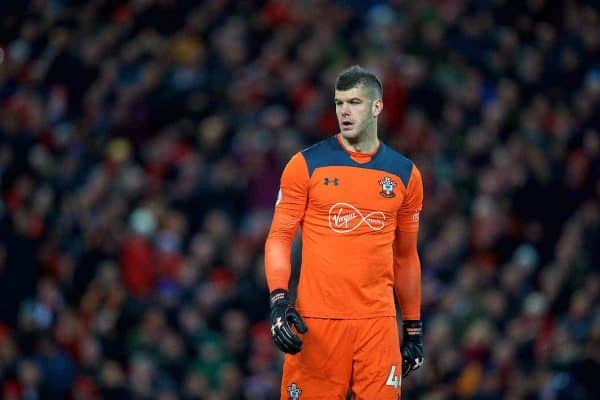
[[377, 107]]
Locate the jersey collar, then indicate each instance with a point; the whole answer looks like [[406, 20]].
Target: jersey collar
[[360, 158]]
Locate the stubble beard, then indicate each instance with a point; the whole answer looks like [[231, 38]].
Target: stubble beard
[[362, 131]]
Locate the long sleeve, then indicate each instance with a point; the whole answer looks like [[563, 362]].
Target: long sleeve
[[289, 211], [407, 266]]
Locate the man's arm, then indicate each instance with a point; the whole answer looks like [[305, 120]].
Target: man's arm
[[407, 274], [289, 211]]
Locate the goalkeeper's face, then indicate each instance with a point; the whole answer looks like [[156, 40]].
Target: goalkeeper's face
[[357, 110]]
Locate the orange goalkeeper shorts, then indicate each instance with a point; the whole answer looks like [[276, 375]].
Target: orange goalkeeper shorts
[[360, 354]]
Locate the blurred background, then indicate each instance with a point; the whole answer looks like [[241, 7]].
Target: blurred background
[[141, 144]]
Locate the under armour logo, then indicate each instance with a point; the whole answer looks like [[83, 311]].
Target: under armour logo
[[327, 181], [278, 324], [418, 362]]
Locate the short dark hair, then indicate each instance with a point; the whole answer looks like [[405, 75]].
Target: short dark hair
[[356, 76]]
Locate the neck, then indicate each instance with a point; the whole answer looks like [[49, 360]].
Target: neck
[[365, 143]]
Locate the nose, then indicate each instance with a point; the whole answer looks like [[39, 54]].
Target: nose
[[345, 109]]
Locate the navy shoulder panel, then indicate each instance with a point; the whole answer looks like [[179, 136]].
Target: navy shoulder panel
[[393, 162], [326, 153], [329, 152]]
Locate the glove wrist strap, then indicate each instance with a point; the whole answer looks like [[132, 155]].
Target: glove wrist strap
[[413, 330], [279, 297]]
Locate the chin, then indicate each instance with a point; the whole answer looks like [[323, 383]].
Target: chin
[[350, 134]]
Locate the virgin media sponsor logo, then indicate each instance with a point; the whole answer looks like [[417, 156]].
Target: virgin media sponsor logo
[[345, 218]]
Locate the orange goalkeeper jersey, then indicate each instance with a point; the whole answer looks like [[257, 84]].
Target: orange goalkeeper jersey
[[350, 207]]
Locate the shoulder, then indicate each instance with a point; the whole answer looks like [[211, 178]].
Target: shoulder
[[296, 166], [323, 147], [397, 164], [323, 153]]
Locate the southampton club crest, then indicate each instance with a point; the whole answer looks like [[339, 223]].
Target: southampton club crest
[[387, 187], [294, 391]]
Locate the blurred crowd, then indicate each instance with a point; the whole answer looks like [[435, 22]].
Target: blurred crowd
[[141, 143]]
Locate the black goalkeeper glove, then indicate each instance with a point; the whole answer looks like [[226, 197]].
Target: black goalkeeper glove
[[412, 346], [283, 317]]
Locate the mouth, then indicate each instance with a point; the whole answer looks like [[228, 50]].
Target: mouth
[[347, 125]]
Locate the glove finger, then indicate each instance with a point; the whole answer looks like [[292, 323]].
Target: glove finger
[[289, 334], [282, 341], [405, 368], [279, 343], [411, 365], [298, 322], [407, 356], [290, 338], [408, 361], [286, 347]]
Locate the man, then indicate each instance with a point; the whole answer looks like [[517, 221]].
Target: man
[[357, 202]]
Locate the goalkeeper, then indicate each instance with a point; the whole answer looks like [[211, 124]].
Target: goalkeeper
[[357, 202]]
